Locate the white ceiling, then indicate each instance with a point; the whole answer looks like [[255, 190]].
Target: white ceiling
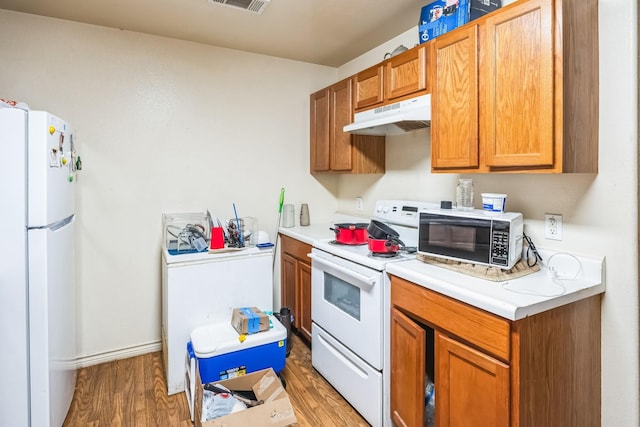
[[326, 32]]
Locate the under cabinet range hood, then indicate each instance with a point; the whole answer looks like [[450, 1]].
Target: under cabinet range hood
[[393, 119], [253, 6]]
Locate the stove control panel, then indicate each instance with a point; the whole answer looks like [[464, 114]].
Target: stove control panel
[[402, 212]]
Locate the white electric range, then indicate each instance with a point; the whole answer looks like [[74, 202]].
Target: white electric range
[[350, 311]]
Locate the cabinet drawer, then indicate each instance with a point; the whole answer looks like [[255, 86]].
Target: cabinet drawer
[[295, 248], [486, 331]]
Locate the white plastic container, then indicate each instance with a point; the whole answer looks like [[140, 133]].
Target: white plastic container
[[493, 202]]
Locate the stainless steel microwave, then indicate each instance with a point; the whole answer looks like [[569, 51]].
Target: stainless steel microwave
[[471, 236]]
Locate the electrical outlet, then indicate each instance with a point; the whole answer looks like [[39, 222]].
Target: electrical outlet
[[359, 204], [553, 226]]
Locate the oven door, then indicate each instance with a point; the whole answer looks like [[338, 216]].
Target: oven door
[[346, 301], [455, 237]]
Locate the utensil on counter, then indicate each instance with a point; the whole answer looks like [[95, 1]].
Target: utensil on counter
[[235, 212]]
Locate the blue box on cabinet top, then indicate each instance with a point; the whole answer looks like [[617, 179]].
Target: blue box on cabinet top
[[482, 7], [441, 16]]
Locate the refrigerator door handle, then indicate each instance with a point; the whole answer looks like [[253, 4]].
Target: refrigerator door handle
[[54, 225]]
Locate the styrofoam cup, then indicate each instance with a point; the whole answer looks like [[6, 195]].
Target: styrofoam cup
[[493, 202]]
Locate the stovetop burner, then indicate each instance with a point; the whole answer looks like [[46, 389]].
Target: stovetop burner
[[335, 242], [385, 255]]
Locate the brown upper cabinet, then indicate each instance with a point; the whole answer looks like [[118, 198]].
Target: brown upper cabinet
[[333, 150], [394, 79], [517, 91]]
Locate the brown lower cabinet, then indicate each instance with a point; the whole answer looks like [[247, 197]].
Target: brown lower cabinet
[[296, 283], [543, 370]]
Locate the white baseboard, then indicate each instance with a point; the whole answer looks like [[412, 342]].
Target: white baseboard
[[124, 353]]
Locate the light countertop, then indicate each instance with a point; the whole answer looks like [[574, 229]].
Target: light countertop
[[577, 278], [308, 234], [318, 231]]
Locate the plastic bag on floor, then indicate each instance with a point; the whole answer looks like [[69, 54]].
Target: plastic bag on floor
[[429, 402], [216, 405]]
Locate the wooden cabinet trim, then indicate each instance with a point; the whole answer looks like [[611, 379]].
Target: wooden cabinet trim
[[333, 150], [564, 132], [295, 287], [454, 100], [519, 128], [319, 130], [295, 248], [369, 87], [482, 386], [485, 330], [406, 74], [341, 114], [407, 370], [554, 353]]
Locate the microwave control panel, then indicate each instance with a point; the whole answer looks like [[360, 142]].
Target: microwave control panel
[[500, 243]]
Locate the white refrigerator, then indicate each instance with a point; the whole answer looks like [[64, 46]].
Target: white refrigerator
[[37, 275]]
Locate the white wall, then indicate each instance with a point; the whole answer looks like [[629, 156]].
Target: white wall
[[600, 212], [162, 126]]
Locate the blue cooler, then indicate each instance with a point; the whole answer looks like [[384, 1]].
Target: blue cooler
[[221, 355]]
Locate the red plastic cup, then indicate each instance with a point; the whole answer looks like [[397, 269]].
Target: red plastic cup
[[217, 238]]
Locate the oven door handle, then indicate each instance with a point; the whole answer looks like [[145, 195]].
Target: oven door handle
[[360, 277]]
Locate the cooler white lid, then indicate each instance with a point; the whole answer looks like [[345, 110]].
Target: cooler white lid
[[222, 338]]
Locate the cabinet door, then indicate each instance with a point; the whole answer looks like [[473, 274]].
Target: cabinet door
[[369, 86], [319, 137], [471, 387], [341, 114], [406, 73], [304, 301], [518, 105], [408, 354], [288, 286], [454, 100]]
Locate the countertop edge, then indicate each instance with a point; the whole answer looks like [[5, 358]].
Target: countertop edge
[[457, 288]]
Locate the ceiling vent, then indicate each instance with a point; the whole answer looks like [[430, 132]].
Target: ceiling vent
[[253, 6]]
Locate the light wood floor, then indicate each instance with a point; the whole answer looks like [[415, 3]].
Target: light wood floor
[[133, 392]]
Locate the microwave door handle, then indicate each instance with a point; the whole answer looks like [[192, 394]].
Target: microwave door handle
[[362, 278]]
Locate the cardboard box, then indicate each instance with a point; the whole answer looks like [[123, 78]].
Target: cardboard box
[[442, 16], [482, 7], [249, 320], [276, 411]]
